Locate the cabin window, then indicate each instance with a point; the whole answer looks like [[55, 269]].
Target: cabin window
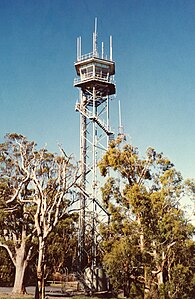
[[86, 72], [101, 72]]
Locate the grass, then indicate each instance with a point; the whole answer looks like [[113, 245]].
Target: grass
[[10, 296], [30, 297]]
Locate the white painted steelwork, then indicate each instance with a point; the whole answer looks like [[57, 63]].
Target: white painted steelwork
[[95, 81]]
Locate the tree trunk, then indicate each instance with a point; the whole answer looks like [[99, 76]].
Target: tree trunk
[[127, 287], [160, 277], [159, 267], [20, 267], [142, 247], [40, 285]]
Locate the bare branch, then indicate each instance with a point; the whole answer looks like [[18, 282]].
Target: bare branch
[[9, 252]]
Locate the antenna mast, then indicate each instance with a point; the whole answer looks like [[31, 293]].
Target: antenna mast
[[120, 118], [95, 39], [78, 48], [110, 48]]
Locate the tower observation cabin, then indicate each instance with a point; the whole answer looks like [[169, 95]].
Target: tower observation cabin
[[95, 72]]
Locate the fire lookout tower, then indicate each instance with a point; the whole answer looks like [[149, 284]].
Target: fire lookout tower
[[95, 80]]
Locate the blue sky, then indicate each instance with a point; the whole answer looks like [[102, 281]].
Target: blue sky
[[154, 51]]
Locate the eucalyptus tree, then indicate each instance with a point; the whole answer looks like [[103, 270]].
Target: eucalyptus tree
[[16, 210], [52, 179], [146, 222], [36, 187]]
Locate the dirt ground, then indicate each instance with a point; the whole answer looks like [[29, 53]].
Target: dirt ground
[[50, 291]]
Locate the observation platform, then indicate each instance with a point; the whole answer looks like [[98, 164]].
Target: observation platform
[[95, 72]]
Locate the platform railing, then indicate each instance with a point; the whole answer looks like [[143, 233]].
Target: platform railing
[[90, 76], [87, 56]]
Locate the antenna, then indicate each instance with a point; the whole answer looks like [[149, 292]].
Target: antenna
[[111, 48], [120, 118], [78, 48], [95, 39], [102, 50]]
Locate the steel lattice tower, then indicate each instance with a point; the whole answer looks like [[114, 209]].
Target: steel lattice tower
[[95, 81]]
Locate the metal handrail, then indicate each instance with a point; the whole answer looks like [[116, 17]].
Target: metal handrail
[[85, 77], [87, 56], [89, 114]]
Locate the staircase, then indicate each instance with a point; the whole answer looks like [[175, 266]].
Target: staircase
[[88, 114]]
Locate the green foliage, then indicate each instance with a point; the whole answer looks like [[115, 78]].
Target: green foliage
[[148, 231], [62, 245], [123, 263], [6, 269]]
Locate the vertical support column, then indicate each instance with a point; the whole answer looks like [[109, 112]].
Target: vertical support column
[[94, 212], [83, 129], [94, 142], [108, 119]]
